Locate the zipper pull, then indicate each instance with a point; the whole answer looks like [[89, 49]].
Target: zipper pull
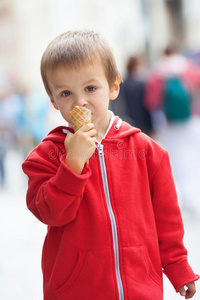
[[100, 149]]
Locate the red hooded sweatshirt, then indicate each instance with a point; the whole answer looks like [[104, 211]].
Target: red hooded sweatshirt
[[115, 228]]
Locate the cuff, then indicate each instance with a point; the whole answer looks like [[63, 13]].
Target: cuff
[[180, 274]]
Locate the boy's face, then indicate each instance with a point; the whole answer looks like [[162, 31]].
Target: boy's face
[[86, 86]]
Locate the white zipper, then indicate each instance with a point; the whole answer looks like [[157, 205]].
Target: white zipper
[[112, 218]]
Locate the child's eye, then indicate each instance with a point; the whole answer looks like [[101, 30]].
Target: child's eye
[[90, 89], [66, 94]]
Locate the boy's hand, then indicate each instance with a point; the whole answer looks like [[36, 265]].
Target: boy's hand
[[80, 146], [189, 293]]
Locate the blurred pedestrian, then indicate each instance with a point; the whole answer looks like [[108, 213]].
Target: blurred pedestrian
[[37, 109], [2, 158], [170, 91], [172, 69], [11, 112], [130, 102]]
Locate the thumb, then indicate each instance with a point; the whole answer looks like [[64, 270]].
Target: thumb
[[182, 291]]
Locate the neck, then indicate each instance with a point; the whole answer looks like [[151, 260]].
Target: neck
[[101, 129]]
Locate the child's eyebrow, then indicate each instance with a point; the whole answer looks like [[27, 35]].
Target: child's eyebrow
[[92, 80], [60, 87]]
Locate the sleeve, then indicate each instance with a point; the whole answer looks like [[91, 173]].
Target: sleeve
[[170, 227], [54, 191]]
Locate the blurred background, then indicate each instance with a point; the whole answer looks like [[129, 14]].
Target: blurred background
[[157, 47]]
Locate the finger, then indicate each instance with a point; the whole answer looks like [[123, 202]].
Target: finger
[[86, 127], [191, 290], [182, 291], [189, 294], [94, 139], [68, 136], [89, 133], [92, 133]]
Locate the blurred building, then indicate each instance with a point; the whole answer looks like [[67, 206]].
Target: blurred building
[[131, 26]]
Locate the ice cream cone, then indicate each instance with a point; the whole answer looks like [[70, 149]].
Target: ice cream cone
[[79, 117]]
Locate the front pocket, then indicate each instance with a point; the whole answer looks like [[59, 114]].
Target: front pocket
[[137, 264], [150, 268], [140, 278], [92, 278], [74, 275]]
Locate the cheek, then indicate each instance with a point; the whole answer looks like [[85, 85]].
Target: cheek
[[54, 104], [65, 116], [65, 111], [101, 103]]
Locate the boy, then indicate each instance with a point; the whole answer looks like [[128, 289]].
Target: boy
[[113, 224]]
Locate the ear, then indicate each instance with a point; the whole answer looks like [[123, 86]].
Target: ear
[[54, 104], [114, 91]]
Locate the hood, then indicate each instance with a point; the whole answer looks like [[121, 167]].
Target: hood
[[118, 130], [121, 129], [58, 134]]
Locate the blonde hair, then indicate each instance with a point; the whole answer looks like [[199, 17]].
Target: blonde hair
[[75, 48]]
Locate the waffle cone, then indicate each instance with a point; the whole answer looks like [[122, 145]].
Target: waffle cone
[[80, 116]]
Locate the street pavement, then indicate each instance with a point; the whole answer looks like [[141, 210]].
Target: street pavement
[[22, 236]]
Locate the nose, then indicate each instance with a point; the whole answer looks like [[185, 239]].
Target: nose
[[80, 100]]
